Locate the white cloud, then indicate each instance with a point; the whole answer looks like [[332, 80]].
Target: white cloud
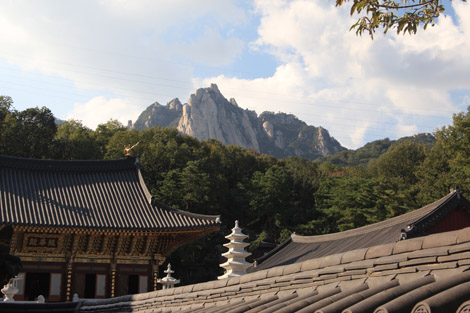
[[211, 49], [99, 110], [353, 86], [140, 51], [421, 101], [118, 47], [403, 130]]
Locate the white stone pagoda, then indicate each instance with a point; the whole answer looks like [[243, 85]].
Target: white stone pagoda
[[236, 254]]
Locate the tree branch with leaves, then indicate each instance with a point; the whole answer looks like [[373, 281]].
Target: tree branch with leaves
[[406, 16]]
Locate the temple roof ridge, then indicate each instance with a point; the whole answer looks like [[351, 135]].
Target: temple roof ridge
[[97, 194], [414, 216], [415, 223]]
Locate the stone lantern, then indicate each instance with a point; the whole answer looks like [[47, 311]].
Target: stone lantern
[[236, 254], [168, 281]]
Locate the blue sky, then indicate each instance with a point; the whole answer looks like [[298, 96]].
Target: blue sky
[[95, 60]]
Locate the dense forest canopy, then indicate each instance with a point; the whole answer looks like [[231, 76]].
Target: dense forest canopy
[[270, 197]]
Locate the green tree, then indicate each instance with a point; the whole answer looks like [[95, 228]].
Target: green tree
[[447, 165], [27, 133], [195, 183], [74, 141], [5, 106], [104, 132], [271, 200], [170, 190], [401, 162], [351, 202]]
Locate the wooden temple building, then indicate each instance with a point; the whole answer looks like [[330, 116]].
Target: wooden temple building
[[89, 227]]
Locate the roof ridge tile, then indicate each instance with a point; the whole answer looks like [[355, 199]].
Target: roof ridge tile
[[379, 225]]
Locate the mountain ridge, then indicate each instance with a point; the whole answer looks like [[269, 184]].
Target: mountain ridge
[[209, 115], [373, 150]]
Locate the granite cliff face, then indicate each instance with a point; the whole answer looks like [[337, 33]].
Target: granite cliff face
[[208, 114]]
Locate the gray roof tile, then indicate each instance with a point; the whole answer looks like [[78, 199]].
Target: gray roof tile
[[442, 274], [354, 255], [439, 266], [345, 302], [438, 251], [445, 301], [292, 268], [464, 307], [464, 235], [327, 287], [391, 259], [404, 278], [395, 272], [300, 303], [353, 272], [418, 261], [272, 303], [413, 277], [406, 301], [462, 247], [107, 194], [385, 267], [330, 260], [380, 250], [349, 284], [454, 257], [311, 265], [331, 270], [333, 299], [275, 271], [375, 237], [359, 265], [450, 238], [370, 303], [408, 245]]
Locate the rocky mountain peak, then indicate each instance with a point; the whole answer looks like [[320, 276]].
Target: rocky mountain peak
[[214, 88], [175, 104], [233, 101], [208, 114]]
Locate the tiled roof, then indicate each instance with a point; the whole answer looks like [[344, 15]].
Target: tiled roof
[[86, 194], [424, 274], [409, 225]]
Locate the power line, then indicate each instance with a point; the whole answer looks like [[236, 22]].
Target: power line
[[255, 92]]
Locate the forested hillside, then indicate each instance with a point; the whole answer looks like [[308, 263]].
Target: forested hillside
[[270, 197], [373, 150]]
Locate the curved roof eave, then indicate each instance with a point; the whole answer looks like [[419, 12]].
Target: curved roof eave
[[413, 217], [358, 236]]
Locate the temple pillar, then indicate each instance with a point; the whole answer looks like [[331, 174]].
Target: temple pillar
[[155, 276], [68, 282], [113, 279], [158, 260]]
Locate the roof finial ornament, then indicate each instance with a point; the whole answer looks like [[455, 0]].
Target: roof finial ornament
[[128, 148], [403, 235]]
